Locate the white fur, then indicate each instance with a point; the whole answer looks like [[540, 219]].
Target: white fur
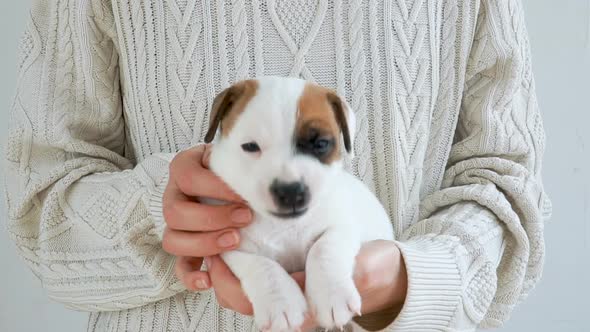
[[343, 214]]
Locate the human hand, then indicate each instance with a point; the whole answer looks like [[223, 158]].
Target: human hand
[[229, 292], [195, 230], [379, 276]]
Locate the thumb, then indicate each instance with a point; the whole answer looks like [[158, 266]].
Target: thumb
[[227, 286], [187, 270], [221, 274]]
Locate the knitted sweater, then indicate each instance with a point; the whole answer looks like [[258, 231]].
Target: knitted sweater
[[449, 137]]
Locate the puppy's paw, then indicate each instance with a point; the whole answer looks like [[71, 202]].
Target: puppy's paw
[[281, 310], [334, 304]]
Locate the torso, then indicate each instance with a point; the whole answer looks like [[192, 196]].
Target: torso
[[384, 58], [398, 63]]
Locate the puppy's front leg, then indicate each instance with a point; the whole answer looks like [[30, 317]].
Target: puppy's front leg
[[277, 300], [329, 283]]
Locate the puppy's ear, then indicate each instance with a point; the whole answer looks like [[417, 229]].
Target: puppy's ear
[[222, 105], [345, 118]]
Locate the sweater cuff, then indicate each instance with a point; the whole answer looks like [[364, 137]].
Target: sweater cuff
[[155, 201], [156, 195], [434, 285]]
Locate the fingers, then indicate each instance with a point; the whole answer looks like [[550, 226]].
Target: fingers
[[309, 324], [181, 243], [299, 278], [188, 271], [191, 178], [228, 289], [183, 214]]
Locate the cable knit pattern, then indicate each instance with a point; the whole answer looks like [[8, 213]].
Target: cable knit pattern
[[449, 137], [240, 39], [361, 164]]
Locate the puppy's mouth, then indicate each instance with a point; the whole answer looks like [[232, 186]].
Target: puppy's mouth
[[290, 214]]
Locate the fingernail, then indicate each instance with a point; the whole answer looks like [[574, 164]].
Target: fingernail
[[241, 216], [208, 262], [228, 239], [201, 284]]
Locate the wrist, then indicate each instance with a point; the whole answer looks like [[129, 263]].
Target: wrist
[[388, 286], [383, 287]]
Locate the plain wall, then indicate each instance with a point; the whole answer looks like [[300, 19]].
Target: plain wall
[[560, 38]]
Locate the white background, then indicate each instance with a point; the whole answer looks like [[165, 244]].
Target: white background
[[560, 37]]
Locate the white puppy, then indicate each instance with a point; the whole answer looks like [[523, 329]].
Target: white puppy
[[281, 145]]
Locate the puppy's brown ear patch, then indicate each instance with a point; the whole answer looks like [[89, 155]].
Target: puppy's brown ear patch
[[340, 113], [322, 114], [227, 107]]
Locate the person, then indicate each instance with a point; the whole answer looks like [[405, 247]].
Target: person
[[104, 160]]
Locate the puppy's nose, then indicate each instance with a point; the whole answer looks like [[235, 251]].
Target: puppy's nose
[[290, 196]]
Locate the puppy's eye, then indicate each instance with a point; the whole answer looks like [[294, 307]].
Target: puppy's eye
[[321, 146], [251, 147], [315, 145]]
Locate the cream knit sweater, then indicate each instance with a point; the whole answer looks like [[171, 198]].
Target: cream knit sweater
[[449, 138]]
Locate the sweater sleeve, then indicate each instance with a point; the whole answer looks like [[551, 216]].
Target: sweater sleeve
[[478, 248], [84, 216]]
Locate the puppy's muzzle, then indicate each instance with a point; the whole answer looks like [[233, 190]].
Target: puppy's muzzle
[[291, 198]]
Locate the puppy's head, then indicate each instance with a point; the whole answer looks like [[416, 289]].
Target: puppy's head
[[279, 141]]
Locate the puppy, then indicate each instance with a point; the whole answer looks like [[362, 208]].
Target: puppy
[[280, 145]]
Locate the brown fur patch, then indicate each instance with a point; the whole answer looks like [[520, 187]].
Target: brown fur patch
[[228, 105], [317, 114]]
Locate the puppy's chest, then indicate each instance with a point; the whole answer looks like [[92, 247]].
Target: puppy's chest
[[287, 244]]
